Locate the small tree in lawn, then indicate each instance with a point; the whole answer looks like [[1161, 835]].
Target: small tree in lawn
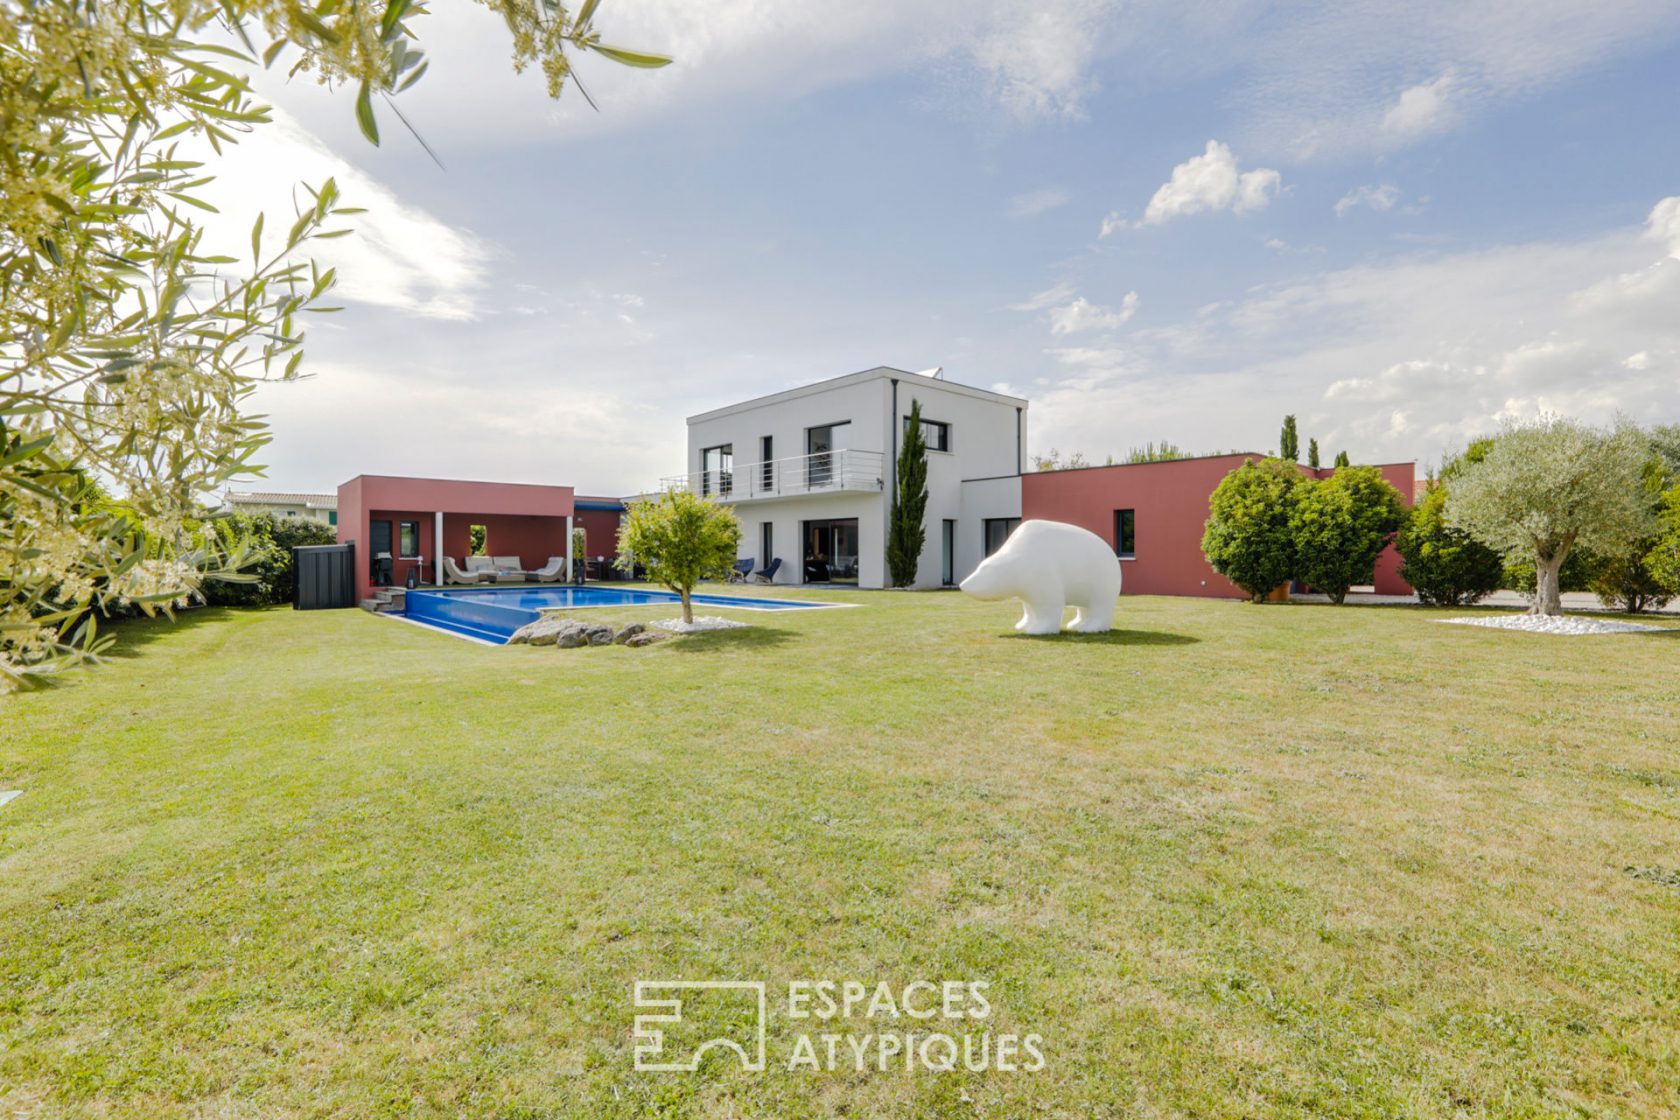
[[1547, 488], [906, 530], [679, 538], [1445, 566], [1339, 527], [1289, 442], [1247, 538]]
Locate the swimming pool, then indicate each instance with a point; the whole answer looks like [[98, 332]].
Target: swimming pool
[[492, 614]]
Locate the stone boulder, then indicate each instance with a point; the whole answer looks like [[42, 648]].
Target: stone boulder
[[598, 634], [629, 632], [572, 637], [544, 631], [647, 638]]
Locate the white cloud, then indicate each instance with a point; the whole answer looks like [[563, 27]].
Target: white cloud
[[1204, 183], [1406, 358], [1083, 315], [1039, 64], [1033, 203], [1422, 108], [1038, 301], [1380, 198], [1664, 224], [398, 256]]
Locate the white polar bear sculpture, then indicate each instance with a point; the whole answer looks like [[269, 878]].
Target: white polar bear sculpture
[[1049, 565]]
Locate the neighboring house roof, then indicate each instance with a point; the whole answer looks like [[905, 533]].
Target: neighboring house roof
[[280, 498]]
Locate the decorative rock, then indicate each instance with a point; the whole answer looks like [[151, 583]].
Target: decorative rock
[[572, 638], [701, 623], [646, 638], [598, 634], [544, 631], [1554, 624], [628, 632]]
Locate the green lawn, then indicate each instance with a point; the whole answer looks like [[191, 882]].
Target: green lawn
[[1229, 861]]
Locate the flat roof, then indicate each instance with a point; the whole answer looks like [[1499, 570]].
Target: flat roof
[[875, 373]]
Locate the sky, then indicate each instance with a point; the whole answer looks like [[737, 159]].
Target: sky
[[1157, 221]]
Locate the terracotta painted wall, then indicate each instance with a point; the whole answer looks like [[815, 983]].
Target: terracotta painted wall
[[601, 527], [1171, 504]]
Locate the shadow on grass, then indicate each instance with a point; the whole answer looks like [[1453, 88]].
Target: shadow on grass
[[1111, 638], [134, 634], [713, 641]]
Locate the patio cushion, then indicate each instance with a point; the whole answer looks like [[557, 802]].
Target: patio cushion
[[508, 564], [480, 564]]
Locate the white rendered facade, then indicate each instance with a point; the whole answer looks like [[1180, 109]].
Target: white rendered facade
[[813, 468]]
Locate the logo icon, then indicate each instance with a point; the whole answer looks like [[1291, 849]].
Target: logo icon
[[694, 1016]]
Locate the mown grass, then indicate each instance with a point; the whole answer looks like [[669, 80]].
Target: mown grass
[[1230, 861]]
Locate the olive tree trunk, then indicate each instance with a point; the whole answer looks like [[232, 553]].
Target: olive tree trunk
[[1547, 599], [688, 606]]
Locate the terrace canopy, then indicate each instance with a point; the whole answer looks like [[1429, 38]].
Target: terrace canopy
[[410, 518]]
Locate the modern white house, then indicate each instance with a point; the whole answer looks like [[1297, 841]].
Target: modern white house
[[811, 474], [309, 507]]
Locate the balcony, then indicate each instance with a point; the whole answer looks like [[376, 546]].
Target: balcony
[[827, 472]]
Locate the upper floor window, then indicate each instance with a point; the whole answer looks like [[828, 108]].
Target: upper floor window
[[936, 433], [717, 470], [1125, 534]]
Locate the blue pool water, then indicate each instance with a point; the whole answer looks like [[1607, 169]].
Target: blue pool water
[[492, 614]]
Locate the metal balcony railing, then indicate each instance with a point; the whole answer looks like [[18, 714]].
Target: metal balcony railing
[[825, 472]]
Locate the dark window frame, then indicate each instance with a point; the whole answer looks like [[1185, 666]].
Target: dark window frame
[[1010, 523], [725, 473], [402, 528], [1125, 533], [944, 429]]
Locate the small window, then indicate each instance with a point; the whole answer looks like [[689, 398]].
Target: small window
[[998, 530], [936, 433], [408, 540], [332, 517], [1125, 534]]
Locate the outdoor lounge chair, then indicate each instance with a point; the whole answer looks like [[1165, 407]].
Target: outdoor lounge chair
[[452, 574], [509, 569], [768, 575], [481, 568], [555, 569], [740, 572]]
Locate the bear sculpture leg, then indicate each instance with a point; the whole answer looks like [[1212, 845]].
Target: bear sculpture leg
[[1093, 619]]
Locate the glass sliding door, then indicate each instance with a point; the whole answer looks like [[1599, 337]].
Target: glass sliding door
[[831, 551], [717, 470]]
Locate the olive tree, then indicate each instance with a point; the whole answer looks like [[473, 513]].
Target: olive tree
[[1340, 525], [1663, 560], [1546, 488], [679, 539], [1247, 537], [127, 349]]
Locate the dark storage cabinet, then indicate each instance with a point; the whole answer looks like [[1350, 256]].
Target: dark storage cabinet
[[324, 576]]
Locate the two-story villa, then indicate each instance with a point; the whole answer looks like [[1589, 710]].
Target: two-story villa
[[811, 474]]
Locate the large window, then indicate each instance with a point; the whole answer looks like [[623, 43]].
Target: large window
[[998, 530], [937, 433], [408, 540], [767, 463], [717, 470], [822, 444], [1125, 534]]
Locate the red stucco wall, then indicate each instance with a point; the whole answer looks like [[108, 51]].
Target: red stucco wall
[[1171, 504], [601, 528]]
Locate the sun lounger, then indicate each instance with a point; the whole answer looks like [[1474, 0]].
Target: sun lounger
[[452, 574], [555, 569]]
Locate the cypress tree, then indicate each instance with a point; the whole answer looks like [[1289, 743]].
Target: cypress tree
[[906, 532], [1289, 444], [1312, 454]]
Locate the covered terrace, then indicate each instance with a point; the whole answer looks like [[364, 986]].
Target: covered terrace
[[414, 520]]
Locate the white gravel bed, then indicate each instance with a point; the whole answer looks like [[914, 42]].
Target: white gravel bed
[[1542, 624], [701, 622]]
